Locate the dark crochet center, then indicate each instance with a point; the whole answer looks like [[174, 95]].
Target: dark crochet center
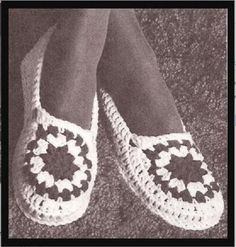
[[182, 168], [58, 162]]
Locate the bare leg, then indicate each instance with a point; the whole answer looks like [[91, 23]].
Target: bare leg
[[128, 71], [69, 71]]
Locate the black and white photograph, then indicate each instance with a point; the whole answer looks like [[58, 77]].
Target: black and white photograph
[[118, 123]]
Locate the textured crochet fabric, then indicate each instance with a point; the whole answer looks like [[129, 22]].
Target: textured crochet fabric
[[190, 47]]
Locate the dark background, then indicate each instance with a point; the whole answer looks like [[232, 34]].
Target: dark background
[[190, 45]]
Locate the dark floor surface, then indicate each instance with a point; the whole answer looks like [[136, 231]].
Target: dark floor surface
[[191, 49]]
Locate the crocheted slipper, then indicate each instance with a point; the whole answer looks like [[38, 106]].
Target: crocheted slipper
[[55, 161], [167, 172]]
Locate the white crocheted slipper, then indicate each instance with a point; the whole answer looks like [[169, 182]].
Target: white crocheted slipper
[[55, 161], [167, 172]]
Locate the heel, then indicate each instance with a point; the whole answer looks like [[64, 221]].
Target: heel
[[31, 67]]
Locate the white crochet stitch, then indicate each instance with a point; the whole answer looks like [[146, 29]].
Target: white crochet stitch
[[45, 143], [167, 172]]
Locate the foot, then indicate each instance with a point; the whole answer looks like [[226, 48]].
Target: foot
[[128, 71], [68, 81], [55, 161], [160, 163]]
